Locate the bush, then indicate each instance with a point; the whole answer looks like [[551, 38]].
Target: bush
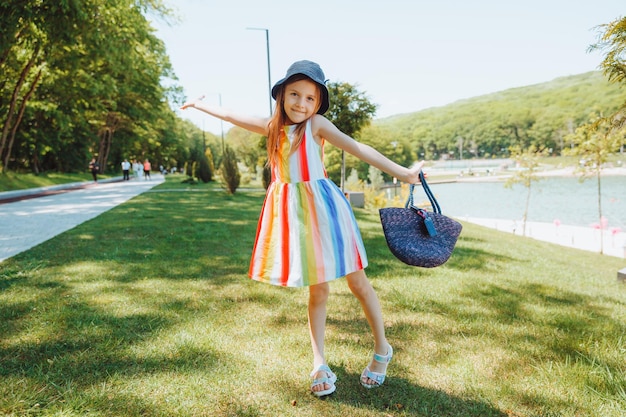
[[203, 170], [230, 170]]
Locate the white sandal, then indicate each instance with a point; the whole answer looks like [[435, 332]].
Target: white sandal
[[329, 379], [377, 377]]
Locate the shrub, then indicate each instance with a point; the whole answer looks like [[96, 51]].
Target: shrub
[[230, 170]]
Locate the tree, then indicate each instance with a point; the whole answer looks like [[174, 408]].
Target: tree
[[204, 173], [528, 160], [350, 110], [78, 74], [594, 142], [230, 170]]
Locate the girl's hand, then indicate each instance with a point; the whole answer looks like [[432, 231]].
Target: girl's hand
[[412, 176], [191, 103]]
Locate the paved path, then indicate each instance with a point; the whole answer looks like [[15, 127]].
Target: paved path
[[30, 221]]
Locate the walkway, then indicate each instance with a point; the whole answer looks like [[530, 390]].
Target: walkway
[[30, 221]]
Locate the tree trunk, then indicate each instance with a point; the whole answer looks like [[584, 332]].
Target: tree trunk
[[20, 115], [526, 211], [12, 104], [600, 210]]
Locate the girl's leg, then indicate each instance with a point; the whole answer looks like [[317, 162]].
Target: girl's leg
[[364, 292], [318, 296]]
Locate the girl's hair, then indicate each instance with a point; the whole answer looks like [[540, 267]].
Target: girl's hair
[[279, 119]]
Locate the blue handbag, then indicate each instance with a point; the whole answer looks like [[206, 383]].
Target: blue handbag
[[419, 237]]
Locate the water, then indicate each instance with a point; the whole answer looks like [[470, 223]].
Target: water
[[565, 199]]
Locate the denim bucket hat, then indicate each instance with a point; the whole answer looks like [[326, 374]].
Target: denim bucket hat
[[314, 72]]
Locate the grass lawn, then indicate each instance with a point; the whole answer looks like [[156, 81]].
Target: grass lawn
[[11, 181], [147, 310]]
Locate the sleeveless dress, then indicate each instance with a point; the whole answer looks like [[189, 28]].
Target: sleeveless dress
[[307, 233]]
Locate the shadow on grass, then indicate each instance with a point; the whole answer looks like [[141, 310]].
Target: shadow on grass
[[397, 395]]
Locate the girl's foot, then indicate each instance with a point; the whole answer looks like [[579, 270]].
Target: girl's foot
[[323, 381], [374, 374]]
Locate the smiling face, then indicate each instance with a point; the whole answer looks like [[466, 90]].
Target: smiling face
[[302, 100]]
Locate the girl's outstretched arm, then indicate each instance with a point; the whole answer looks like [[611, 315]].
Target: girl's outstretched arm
[[253, 124], [324, 129]]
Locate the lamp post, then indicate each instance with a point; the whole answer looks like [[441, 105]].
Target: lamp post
[[269, 76], [219, 96], [221, 123]]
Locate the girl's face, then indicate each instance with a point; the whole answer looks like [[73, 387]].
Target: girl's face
[[302, 100]]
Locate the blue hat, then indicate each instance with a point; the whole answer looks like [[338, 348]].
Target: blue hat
[[315, 73]]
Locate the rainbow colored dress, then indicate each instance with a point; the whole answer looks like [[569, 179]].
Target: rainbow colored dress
[[307, 233]]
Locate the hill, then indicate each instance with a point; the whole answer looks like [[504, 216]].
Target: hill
[[541, 114]]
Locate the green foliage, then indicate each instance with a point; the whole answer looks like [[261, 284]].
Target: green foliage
[[375, 177], [527, 163], [594, 143], [350, 110], [204, 172], [248, 147], [230, 170], [266, 172], [487, 126], [353, 183], [89, 87], [612, 41]]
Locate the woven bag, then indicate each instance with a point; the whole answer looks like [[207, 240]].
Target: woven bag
[[418, 237]]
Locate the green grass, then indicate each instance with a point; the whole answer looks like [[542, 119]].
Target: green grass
[[11, 181], [146, 310]]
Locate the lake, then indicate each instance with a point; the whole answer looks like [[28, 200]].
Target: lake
[[553, 198]]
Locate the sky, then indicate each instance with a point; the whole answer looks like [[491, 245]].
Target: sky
[[404, 55]]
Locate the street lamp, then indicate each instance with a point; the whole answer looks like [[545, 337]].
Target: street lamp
[[221, 123], [269, 77]]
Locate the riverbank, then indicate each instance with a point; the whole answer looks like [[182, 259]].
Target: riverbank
[[500, 175], [584, 238]]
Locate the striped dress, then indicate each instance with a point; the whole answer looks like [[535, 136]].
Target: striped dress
[[307, 233]]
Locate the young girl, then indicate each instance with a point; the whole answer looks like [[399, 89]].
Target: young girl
[[307, 234]]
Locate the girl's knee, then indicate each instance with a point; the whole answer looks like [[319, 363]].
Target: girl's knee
[[358, 283], [318, 293]]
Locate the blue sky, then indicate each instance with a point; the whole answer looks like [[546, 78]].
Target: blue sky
[[406, 55]]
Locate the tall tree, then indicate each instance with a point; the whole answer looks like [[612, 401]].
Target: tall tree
[[99, 67], [594, 142], [350, 110], [528, 160]]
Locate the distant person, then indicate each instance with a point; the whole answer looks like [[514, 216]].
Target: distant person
[[307, 235], [94, 167], [126, 169], [146, 169], [137, 169]]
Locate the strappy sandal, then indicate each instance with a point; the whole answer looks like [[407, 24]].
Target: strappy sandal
[[377, 377], [329, 379]]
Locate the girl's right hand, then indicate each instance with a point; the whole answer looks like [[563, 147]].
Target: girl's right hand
[[191, 103]]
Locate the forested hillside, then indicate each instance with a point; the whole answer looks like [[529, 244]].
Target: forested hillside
[[486, 126]]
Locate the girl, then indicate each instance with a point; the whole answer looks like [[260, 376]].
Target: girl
[[307, 234]]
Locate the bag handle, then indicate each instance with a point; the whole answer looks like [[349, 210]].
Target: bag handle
[[429, 194]]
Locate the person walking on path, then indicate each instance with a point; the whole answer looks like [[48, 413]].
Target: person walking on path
[[307, 234], [126, 169], [146, 169], [94, 167], [138, 169]]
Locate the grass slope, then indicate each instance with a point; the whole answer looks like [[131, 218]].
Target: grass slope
[[146, 310]]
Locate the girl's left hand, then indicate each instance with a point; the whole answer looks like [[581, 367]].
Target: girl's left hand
[[412, 176]]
